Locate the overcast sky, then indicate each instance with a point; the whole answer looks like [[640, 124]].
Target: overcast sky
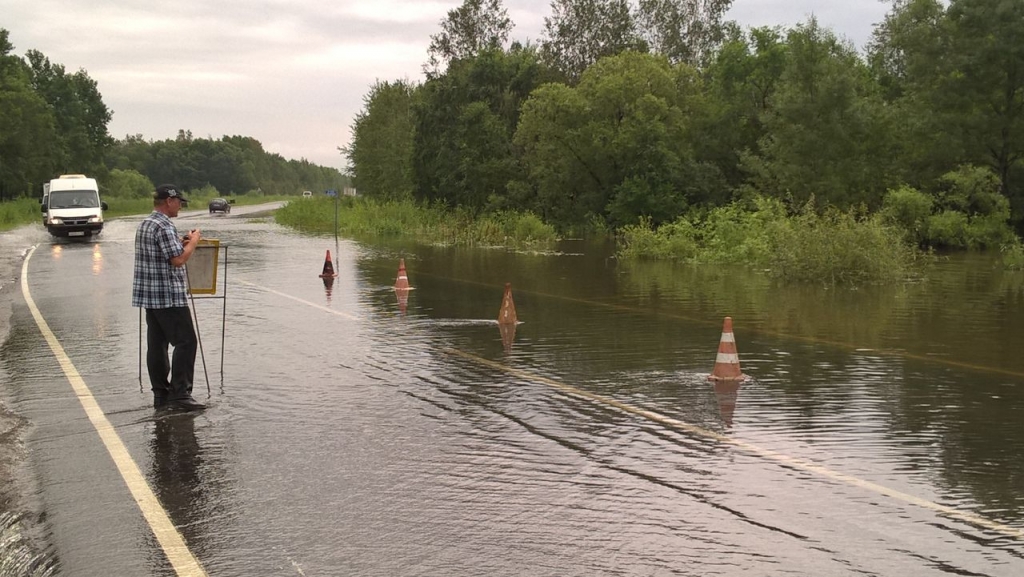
[[289, 73]]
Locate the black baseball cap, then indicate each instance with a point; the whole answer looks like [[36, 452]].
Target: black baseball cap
[[169, 191]]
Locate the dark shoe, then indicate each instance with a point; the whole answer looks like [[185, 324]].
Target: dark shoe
[[159, 400], [186, 404]]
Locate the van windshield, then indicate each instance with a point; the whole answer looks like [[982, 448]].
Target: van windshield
[[74, 199]]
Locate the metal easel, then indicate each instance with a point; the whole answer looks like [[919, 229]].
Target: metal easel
[[195, 318]]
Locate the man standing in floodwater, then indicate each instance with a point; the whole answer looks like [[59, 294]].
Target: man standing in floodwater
[[159, 286]]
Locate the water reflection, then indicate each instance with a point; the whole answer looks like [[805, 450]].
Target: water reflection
[[402, 294], [97, 260], [508, 335], [178, 462], [727, 393], [328, 287]]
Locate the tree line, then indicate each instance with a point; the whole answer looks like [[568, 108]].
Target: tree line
[[655, 109], [54, 122]]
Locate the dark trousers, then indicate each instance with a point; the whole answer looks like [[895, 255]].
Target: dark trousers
[[173, 327]]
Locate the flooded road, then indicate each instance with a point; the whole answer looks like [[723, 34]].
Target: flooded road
[[880, 433]]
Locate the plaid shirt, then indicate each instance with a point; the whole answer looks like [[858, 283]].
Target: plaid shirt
[[156, 283]]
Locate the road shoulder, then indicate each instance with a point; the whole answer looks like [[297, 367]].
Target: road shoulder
[[16, 485]]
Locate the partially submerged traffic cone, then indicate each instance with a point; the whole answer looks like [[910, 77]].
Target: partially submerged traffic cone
[[328, 267], [727, 363], [507, 314], [402, 282], [507, 319]]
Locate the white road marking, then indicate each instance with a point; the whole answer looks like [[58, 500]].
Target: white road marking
[[297, 299], [967, 517], [964, 516]]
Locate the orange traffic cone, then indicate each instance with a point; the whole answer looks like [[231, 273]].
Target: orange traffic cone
[[507, 314], [402, 282], [727, 364], [328, 267]]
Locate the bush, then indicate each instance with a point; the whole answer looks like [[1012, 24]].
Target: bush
[[840, 248], [833, 248], [972, 190], [677, 240], [908, 209], [988, 231], [947, 229], [1012, 254], [126, 184], [740, 232]]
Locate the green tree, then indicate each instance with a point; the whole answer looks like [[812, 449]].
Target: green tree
[[741, 84], [28, 139], [907, 45], [617, 147], [984, 89], [908, 55], [687, 31], [579, 32], [475, 26], [465, 119], [79, 111], [380, 153], [557, 154], [828, 134]]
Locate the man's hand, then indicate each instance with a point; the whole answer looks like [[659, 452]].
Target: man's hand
[[192, 237], [190, 240]]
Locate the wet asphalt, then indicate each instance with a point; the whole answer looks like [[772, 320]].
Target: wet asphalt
[[347, 436]]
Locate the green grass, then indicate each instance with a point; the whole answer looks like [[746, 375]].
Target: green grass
[[15, 213]]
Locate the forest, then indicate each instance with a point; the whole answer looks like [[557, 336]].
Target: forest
[[54, 122], [642, 113]]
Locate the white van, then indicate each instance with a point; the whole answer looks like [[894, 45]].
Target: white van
[[72, 206]]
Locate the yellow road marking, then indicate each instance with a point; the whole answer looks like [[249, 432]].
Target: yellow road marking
[[808, 466], [348, 316], [178, 553]]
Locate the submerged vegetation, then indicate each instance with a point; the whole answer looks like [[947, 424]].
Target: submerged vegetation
[[831, 247], [430, 224]]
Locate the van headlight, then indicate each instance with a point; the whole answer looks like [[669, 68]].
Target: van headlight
[[55, 221], [95, 219]]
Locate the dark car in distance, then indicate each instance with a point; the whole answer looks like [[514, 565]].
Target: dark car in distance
[[220, 205]]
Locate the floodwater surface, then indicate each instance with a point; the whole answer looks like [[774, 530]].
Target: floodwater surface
[[356, 433]]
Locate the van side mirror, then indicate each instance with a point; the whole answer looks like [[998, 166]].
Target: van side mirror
[[43, 208], [103, 206]]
